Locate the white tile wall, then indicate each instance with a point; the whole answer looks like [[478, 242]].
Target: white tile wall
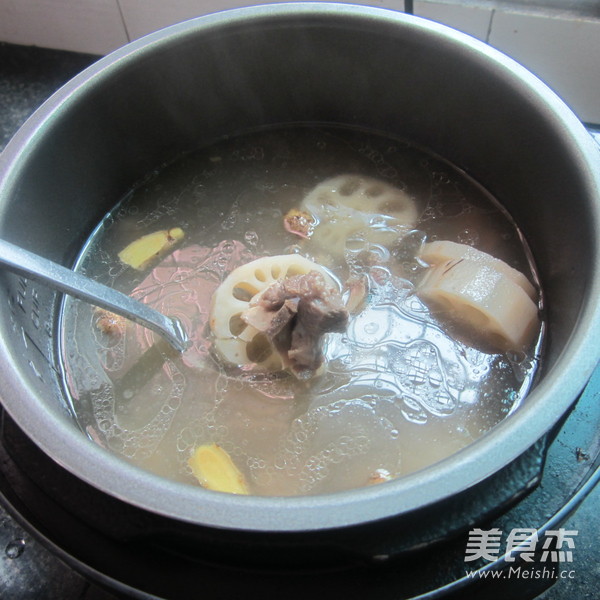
[[144, 16], [563, 51], [470, 19], [93, 26]]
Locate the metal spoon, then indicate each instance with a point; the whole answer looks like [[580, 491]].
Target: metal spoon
[[64, 280]]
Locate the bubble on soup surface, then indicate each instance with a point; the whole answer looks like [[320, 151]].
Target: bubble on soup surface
[[344, 443], [247, 421]]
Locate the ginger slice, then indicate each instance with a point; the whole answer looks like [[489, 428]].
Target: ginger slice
[[485, 298], [435, 253], [215, 470], [141, 252]]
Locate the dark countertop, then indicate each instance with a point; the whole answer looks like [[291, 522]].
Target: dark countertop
[[27, 569]]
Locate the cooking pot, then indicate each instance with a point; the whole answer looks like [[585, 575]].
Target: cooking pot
[[230, 72]]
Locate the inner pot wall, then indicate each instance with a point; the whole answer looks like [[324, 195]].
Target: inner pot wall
[[193, 83]]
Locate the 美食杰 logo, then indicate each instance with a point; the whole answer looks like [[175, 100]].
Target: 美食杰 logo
[[539, 554]]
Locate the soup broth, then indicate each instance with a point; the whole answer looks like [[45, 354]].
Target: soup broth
[[400, 388]]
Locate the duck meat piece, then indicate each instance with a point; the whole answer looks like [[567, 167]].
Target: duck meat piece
[[294, 314]]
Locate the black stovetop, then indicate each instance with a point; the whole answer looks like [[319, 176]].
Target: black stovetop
[[30, 567]]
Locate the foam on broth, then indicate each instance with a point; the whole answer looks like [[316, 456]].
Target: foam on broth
[[399, 391]]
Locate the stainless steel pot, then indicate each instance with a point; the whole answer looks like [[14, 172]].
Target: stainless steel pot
[[192, 83]]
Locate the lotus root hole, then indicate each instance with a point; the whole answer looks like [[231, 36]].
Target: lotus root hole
[[244, 292], [295, 270], [374, 191], [236, 325], [259, 348], [329, 202], [349, 187]]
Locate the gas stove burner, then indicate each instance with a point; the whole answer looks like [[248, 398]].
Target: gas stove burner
[[149, 567]]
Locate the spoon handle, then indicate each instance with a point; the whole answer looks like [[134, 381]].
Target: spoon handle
[[65, 280]]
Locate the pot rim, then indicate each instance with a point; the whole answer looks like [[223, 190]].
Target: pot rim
[[68, 446]]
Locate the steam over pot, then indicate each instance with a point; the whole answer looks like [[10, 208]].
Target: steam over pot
[[192, 83]]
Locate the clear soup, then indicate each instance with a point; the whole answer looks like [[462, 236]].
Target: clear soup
[[400, 388]]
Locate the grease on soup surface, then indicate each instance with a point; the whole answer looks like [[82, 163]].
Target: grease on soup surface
[[431, 353]]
